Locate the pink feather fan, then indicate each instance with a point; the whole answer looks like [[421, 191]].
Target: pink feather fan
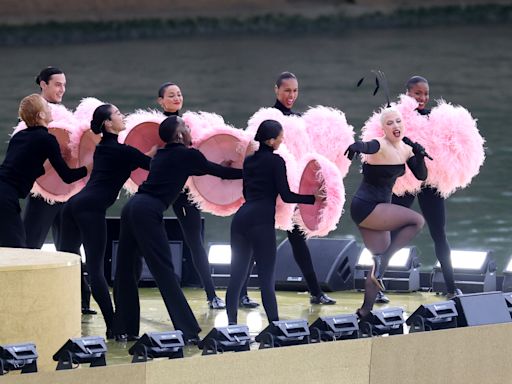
[[320, 175], [220, 144], [295, 133], [285, 211], [142, 133], [83, 140], [456, 146], [330, 134]]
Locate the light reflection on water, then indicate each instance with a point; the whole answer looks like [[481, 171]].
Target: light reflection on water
[[234, 76]]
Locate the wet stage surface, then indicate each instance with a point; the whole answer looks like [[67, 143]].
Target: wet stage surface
[[292, 305]]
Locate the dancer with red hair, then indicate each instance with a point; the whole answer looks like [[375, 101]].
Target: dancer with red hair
[[23, 164]]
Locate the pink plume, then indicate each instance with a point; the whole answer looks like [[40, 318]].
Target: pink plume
[[296, 135], [330, 134], [456, 146]]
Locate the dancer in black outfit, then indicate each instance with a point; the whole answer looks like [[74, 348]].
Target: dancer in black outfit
[[143, 232], [253, 227], [83, 217], [430, 201], [38, 215], [371, 207], [170, 99], [23, 164], [287, 91]]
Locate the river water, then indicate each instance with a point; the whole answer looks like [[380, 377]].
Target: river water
[[234, 76]]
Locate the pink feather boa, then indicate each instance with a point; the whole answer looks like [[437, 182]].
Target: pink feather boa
[[320, 219], [330, 134], [449, 134]]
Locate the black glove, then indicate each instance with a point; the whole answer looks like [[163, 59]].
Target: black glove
[[417, 149], [367, 147], [353, 148]]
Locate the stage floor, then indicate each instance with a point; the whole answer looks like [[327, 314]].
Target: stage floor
[[292, 305]]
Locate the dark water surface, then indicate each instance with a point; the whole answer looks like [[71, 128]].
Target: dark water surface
[[234, 76]]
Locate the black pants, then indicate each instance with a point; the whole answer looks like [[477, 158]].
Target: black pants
[[189, 217], [303, 259], [252, 238], [12, 231], [143, 234], [81, 225], [433, 210], [38, 217]]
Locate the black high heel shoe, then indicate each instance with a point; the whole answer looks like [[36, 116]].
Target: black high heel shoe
[[377, 272]]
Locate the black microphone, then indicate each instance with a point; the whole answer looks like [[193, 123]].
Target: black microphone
[[410, 143]]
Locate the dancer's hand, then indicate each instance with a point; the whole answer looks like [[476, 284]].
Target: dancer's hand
[[152, 151], [353, 149]]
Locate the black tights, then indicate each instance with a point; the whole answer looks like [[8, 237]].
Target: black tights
[[375, 230], [433, 209], [258, 242], [90, 228], [189, 217], [303, 259]]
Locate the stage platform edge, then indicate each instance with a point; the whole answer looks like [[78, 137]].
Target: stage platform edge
[[464, 355], [39, 300]]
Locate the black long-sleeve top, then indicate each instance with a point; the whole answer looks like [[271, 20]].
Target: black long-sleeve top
[[284, 110], [265, 178], [171, 167], [24, 161], [113, 163]]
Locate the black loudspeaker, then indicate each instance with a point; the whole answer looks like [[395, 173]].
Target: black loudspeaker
[[334, 261], [428, 317], [176, 252], [481, 308], [189, 276]]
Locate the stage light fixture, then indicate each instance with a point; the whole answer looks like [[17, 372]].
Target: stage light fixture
[[158, 344], [83, 350], [402, 273], [219, 258], [330, 328], [474, 272], [18, 357], [234, 338], [283, 333], [385, 321], [219, 254], [428, 317]]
